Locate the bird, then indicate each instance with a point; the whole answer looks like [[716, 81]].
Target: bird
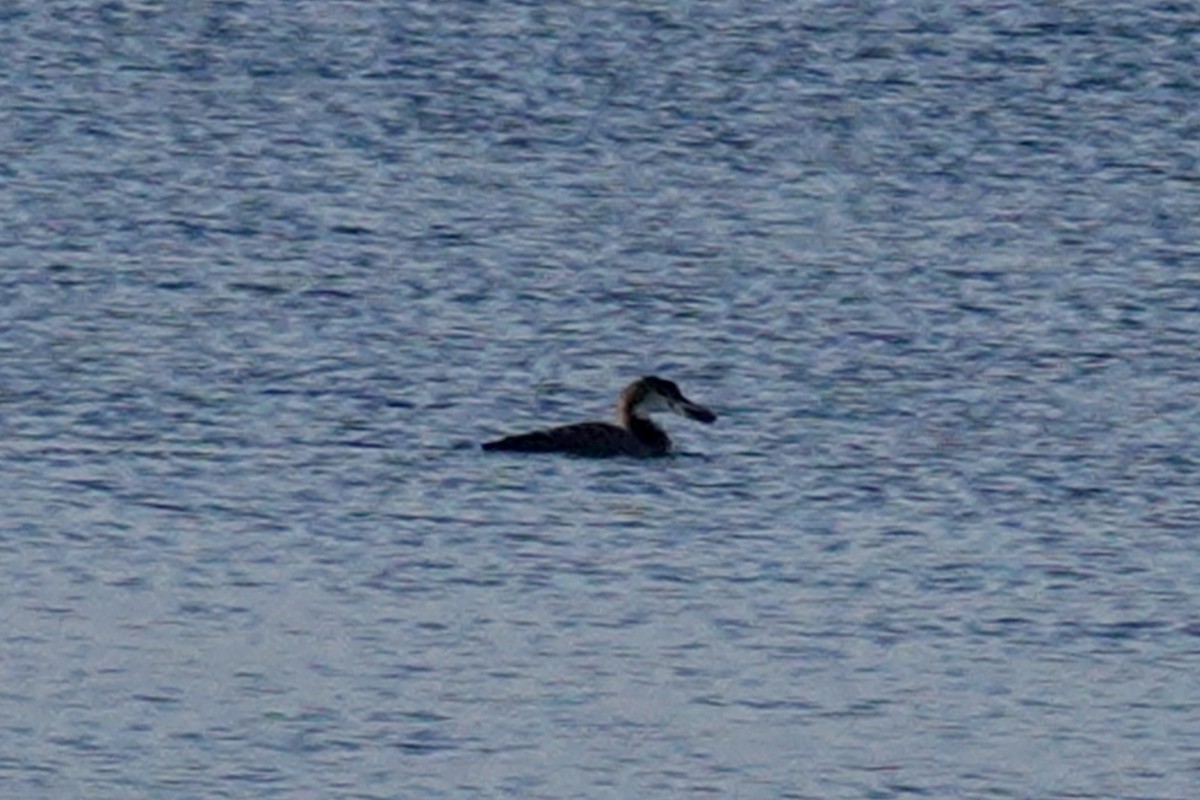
[[634, 433]]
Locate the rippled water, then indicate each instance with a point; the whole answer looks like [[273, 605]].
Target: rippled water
[[271, 270]]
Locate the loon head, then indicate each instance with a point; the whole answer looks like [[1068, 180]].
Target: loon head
[[650, 394]]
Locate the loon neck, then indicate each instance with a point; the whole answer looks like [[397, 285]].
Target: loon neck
[[646, 432]]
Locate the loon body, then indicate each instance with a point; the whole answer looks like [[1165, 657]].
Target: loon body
[[634, 433]]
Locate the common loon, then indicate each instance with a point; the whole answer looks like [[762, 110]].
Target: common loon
[[635, 434]]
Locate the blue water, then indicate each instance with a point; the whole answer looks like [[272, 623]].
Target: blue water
[[270, 271]]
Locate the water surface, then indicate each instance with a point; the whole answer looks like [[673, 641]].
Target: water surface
[[271, 271]]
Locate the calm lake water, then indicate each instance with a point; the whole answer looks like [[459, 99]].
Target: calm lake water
[[269, 272]]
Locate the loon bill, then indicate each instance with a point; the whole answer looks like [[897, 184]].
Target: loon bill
[[634, 434]]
